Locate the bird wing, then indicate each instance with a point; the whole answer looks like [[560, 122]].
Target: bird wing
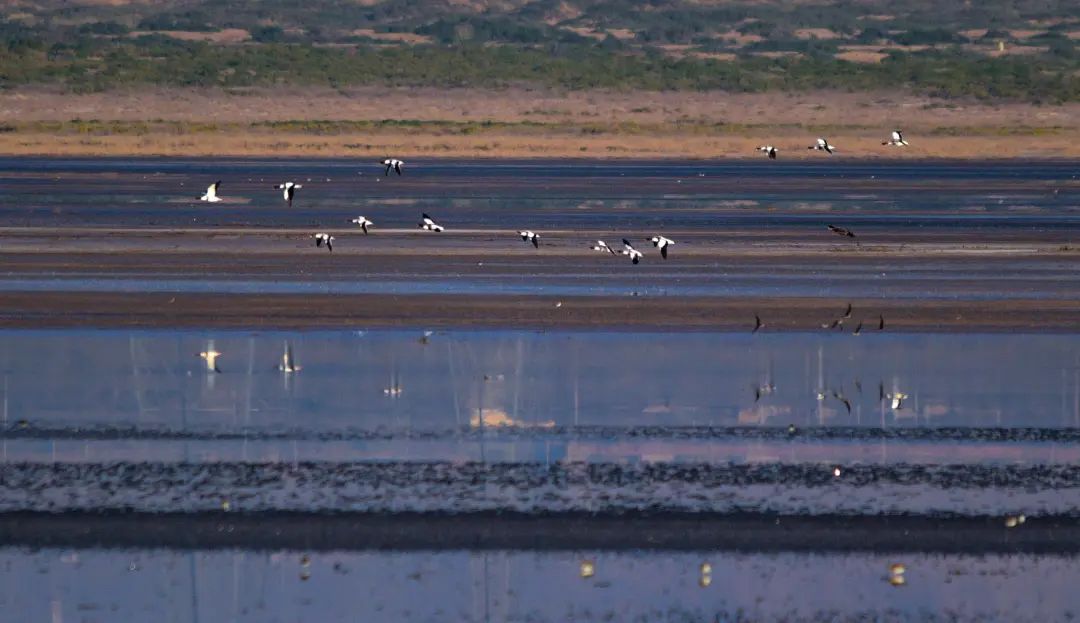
[[896, 136], [536, 241], [663, 251], [822, 143]]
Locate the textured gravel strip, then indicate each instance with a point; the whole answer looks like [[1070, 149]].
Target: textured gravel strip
[[535, 489]]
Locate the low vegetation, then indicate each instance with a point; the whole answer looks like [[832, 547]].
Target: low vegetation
[[1024, 50]]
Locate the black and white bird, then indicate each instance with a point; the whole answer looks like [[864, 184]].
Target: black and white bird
[[822, 145], [288, 363], [363, 222], [288, 189], [770, 150], [840, 231], [602, 247], [428, 224], [211, 193], [629, 251], [662, 243], [211, 357], [896, 140], [321, 238], [392, 163], [530, 236], [758, 324]]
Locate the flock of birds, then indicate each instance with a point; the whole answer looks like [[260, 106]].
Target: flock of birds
[[428, 223], [896, 139]]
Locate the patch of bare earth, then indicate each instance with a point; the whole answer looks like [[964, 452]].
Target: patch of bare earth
[[229, 35], [392, 37], [815, 33]]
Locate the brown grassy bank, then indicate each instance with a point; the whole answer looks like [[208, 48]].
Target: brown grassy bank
[[523, 123]]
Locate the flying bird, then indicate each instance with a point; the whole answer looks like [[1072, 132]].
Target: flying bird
[[288, 189], [393, 163], [770, 150], [211, 357], [847, 312], [602, 246], [881, 322], [288, 363], [758, 324], [530, 236], [843, 399], [662, 243], [428, 224], [840, 231], [822, 145], [630, 251], [363, 223], [896, 140], [320, 238], [858, 329], [211, 193]]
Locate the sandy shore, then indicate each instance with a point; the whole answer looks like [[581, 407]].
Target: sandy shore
[[524, 123]]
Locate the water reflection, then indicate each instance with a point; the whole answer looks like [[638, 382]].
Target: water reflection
[[209, 586], [412, 381]]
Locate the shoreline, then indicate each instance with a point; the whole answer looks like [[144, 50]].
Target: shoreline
[[550, 532], [115, 310]]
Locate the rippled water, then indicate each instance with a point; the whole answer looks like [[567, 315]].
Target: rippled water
[[213, 586]]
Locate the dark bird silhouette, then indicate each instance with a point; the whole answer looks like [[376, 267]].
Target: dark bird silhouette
[[881, 322], [758, 324], [840, 231]]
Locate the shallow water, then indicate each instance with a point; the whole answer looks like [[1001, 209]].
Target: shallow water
[[155, 380], [211, 586]]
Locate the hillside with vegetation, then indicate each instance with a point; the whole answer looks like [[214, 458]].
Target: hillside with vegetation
[[1024, 50]]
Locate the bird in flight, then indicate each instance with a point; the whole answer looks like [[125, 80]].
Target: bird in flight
[[822, 145], [896, 140], [288, 363], [363, 223], [840, 231], [530, 236], [881, 322], [662, 243], [630, 251], [211, 193], [858, 328], [321, 238], [288, 189], [428, 224], [211, 357], [603, 247], [758, 324], [843, 399], [770, 150], [393, 163]]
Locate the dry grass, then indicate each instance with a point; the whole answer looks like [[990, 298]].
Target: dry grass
[[392, 37], [861, 55], [229, 35], [530, 123], [815, 33]]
